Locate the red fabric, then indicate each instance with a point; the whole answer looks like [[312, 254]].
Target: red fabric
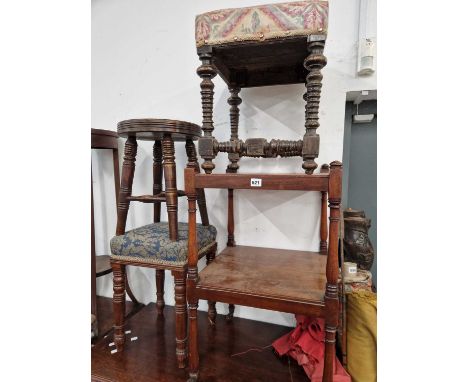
[[306, 344]]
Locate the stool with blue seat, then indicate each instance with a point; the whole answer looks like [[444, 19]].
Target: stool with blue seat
[[160, 245]]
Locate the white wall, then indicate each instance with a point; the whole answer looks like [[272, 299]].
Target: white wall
[[143, 65]]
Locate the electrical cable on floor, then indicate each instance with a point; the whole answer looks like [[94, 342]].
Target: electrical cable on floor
[[257, 349]]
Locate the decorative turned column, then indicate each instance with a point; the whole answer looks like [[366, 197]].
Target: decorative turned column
[[230, 223], [193, 342], [171, 184], [119, 304], [331, 291], [181, 317], [193, 163], [234, 100], [231, 242], [324, 169], [128, 171], [206, 144], [314, 62], [160, 278], [192, 273], [212, 313], [157, 178]]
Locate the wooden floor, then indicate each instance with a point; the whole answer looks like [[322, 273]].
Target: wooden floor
[[152, 356]]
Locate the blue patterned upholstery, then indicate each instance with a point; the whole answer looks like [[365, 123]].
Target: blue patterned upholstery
[[151, 244]]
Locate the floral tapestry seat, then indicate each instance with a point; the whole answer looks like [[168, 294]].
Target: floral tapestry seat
[[262, 22], [151, 244]]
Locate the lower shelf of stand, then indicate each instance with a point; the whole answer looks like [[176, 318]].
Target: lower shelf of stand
[[268, 278]]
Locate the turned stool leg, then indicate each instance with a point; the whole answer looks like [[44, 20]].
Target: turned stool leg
[[314, 62], [193, 163], [128, 171], [231, 240], [234, 100], [206, 143], [181, 317], [171, 184], [211, 304], [119, 280], [157, 189], [157, 179], [193, 343], [119, 304], [323, 215], [160, 304]]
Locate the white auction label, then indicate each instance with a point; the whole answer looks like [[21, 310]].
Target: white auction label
[[255, 182]]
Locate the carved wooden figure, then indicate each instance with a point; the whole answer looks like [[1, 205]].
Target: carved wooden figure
[[263, 277], [271, 52], [165, 244]]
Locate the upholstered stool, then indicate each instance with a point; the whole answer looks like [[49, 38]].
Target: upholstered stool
[[259, 46], [159, 245], [255, 46]]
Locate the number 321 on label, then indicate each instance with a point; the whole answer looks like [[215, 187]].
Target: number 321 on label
[[255, 182]]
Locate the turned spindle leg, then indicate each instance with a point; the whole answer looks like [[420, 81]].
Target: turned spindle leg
[[181, 317], [206, 144], [157, 179], [331, 291], [193, 342], [193, 163], [119, 305], [160, 304], [323, 215], [157, 189], [192, 273], [128, 171], [211, 304], [231, 241], [234, 100], [171, 184], [314, 62]]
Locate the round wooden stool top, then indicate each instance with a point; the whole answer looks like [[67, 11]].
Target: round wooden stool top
[[154, 129]]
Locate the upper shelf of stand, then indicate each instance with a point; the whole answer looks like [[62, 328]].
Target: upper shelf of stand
[[264, 44]]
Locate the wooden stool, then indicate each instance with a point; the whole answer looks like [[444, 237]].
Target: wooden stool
[[163, 246], [263, 45], [258, 46], [100, 265]]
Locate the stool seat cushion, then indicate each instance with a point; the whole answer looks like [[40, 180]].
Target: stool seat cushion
[[151, 244], [262, 22]]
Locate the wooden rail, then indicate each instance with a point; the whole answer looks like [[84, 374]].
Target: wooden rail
[[300, 182]]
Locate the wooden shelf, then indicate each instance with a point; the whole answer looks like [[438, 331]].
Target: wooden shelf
[[266, 277]]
